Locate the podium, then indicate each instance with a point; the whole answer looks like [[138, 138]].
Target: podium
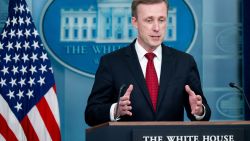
[[170, 131]]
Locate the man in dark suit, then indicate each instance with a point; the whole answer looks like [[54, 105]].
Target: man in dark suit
[[161, 81]]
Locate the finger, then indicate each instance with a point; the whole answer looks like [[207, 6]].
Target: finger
[[189, 90], [129, 108], [193, 112], [198, 97], [128, 91], [198, 110], [199, 103], [124, 98], [129, 113], [126, 112], [193, 109], [124, 103], [126, 108]]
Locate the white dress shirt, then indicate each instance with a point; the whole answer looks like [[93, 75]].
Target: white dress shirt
[[143, 60]]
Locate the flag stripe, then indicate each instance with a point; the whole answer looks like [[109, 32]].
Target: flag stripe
[[6, 131], [29, 130], [11, 119], [38, 124], [49, 119], [54, 87], [51, 98]]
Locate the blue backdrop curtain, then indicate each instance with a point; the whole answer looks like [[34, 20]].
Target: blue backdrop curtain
[[246, 54]]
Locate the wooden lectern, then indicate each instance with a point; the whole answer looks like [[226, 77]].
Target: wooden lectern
[[170, 131]]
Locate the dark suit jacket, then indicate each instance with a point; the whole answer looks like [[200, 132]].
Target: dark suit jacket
[[122, 67]]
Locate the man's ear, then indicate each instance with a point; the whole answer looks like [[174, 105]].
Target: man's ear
[[134, 22]]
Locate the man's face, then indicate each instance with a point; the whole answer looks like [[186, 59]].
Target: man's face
[[151, 22]]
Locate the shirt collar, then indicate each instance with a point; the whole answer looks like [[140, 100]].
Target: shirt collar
[[141, 51]]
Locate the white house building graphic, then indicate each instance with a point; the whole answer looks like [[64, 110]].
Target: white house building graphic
[[109, 22]]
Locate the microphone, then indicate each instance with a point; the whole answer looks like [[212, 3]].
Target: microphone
[[233, 85], [121, 92]]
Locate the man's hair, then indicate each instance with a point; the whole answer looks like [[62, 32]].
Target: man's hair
[[135, 4]]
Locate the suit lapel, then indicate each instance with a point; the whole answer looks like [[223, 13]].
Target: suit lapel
[[167, 68], [135, 68]]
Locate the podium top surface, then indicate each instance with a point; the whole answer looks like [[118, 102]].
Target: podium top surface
[[161, 123]]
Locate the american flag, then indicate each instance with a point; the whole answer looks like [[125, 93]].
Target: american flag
[[28, 101]]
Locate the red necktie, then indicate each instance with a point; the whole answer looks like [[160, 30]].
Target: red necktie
[[151, 79]]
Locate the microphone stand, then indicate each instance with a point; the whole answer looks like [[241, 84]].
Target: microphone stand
[[233, 85]]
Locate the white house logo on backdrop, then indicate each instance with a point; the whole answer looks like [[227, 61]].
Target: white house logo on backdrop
[[230, 105], [78, 34]]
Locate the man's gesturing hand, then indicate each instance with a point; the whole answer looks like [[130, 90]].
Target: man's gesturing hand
[[195, 102], [124, 106]]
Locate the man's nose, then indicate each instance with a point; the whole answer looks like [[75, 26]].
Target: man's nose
[[156, 26]]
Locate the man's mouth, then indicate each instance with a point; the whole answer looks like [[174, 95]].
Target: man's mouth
[[155, 37]]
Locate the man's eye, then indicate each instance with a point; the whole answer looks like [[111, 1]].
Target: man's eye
[[162, 20], [149, 20]]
